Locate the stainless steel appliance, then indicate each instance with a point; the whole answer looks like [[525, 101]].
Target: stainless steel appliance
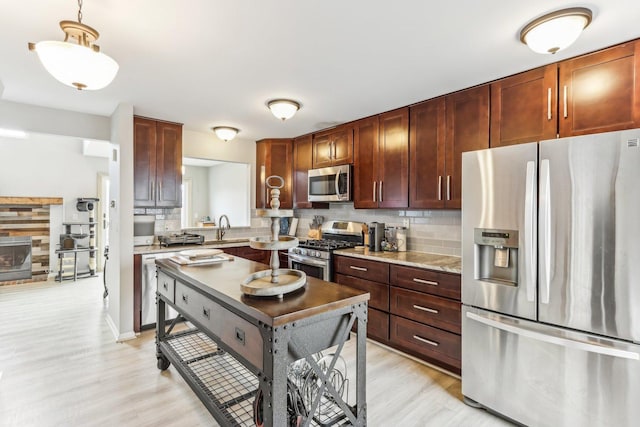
[[149, 287], [376, 236], [332, 184], [551, 280], [181, 239], [314, 257], [143, 229]]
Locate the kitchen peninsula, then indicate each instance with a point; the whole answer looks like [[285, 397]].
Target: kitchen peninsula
[[244, 346]]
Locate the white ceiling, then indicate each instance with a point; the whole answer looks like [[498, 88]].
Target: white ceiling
[[207, 63]]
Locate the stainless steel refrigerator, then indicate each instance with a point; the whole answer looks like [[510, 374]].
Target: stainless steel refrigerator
[[551, 280]]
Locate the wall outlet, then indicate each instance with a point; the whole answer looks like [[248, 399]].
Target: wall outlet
[[405, 222]]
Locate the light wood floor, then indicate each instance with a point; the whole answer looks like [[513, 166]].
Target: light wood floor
[[60, 366]]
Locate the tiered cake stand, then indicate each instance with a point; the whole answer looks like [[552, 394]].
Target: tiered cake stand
[[276, 281]]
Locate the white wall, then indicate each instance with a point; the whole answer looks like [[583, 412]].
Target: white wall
[[207, 146], [120, 267], [228, 185]]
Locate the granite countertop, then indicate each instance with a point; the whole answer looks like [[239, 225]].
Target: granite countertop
[[217, 244], [448, 263]]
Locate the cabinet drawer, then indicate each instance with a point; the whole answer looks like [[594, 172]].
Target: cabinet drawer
[[166, 286], [430, 342], [237, 333], [379, 291], [429, 281], [432, 310], [362, 268]]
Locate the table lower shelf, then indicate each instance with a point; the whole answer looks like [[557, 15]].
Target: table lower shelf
[[223, 384]]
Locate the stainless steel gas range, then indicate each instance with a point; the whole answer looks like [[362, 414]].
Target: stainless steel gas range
[[314, 257]]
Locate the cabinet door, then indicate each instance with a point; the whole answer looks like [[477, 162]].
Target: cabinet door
[[524, 107], [600, 92], [276, 155], [467, 130], [169, 165], [393, 160], [302, 154], [342, 141], [365, 175], [427, 154], [322, 150], [144, 163]]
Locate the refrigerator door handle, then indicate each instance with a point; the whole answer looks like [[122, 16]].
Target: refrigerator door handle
[[545, 231], [553, 339], [530, 231]]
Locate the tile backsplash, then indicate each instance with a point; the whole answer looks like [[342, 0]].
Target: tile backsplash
[[435, 231]]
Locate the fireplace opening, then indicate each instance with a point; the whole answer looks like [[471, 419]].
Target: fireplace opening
[[15, 258]]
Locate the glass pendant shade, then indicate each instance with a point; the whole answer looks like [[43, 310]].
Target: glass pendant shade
[[75, 65], [225, 133], [283, 108], [555, 31]]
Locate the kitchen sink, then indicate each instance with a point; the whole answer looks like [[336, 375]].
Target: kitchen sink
[[226, 241]]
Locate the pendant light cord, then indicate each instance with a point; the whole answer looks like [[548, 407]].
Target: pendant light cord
[[80, 11]]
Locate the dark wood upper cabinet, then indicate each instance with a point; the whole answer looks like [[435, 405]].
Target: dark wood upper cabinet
[[381, 161], [157, 157], [333, 147], [302, 154], [467, 118], [524, 107], [274, 157], [393, 159], [600, 92], [426, 152], [365, 169]]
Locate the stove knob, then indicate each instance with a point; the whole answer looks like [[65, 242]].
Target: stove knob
[[302, 251], [313, 253], [317, 254]]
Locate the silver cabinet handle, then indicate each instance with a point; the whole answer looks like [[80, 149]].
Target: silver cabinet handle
[[428, 310], [545, 231], [530, 231], [374, 190], [554, 339], [380, 191], [440, 187], [353, 267], [426, 341], [448, 187], [549, 104], [206, 312], [185, 298], [425, 282], [160, 191], [565, 102], [153, 190]]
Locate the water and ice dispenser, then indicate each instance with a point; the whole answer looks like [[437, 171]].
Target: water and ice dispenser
[[496, 255]]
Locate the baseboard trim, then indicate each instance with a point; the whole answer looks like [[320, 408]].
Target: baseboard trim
[[116, 334]]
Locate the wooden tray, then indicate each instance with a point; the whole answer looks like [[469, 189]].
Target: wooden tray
[[259, 283]]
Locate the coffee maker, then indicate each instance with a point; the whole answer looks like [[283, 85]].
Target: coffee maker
[[376, 236]]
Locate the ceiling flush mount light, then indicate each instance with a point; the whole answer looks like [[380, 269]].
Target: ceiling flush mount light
[[78, 64], [556, 30], [283, 108], [225, 133]]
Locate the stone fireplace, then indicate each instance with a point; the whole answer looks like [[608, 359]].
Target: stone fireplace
[[26, 218]]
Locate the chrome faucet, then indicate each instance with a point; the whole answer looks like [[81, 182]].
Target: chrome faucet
[[221, 228]]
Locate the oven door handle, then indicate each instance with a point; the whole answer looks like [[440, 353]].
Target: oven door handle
[[308, 261]]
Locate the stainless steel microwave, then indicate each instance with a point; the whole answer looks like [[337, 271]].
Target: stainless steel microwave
[[332, 184]]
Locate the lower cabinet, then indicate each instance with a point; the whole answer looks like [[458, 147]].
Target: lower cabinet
[[415, 310], [247, 252]]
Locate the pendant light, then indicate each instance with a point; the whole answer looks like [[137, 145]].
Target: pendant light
[[283, 108], [556, 30], [77, 63], [225, 133]]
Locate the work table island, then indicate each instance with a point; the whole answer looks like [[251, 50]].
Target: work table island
[[247, 352]]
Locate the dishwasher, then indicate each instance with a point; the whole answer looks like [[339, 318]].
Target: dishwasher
[[149, 286]]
